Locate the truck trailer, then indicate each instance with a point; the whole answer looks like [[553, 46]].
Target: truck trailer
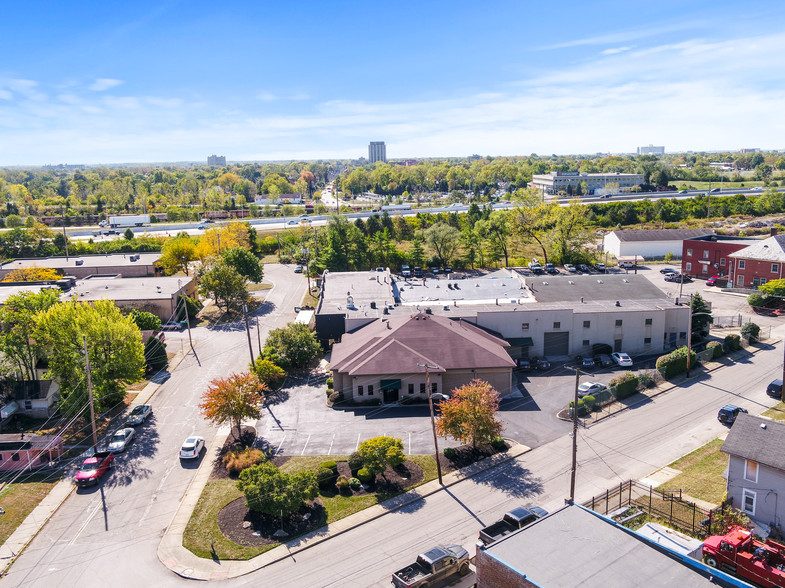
[[129, 220]]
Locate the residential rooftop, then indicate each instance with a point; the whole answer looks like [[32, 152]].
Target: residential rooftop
[[770, 249]]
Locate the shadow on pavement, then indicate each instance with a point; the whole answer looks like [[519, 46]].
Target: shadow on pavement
[[512, 479]]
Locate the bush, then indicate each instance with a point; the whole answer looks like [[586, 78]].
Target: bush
[[365, 476], [330, 465], [581, 407], [355, 484], [732, 342], [756, 300], [329, 382], [589, 402], [498, 443], [356, 461], [268, 373], [750, 331], [342, 483], [645, 380], [324, 477], [155, 354], [716, 348], [335, 397], [236, 460], [146, 321], [624, 385], [675, 363], [450, 452]]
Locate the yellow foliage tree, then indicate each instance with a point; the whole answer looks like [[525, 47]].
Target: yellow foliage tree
[[220, 239], [32, 274]]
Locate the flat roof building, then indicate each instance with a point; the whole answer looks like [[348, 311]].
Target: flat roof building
[[81, 266], [651, 150], [575, 183], [219, 160]]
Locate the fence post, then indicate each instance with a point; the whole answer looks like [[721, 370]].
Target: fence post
[[650, 491], [621, 493], [693, 517], [671, 517]]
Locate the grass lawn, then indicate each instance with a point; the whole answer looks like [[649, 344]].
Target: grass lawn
[[701, 475], [203, 528], [776, 413], [18, 500]]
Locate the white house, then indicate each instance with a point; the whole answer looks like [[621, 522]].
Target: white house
[[647, 244]]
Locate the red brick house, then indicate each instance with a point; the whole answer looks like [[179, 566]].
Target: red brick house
[[759, 263], [706, 256]]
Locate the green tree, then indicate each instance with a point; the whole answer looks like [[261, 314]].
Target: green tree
[[155, 354], [379, 452], [128, 235], [224, 284], [701, 314], [443, 241], [146, 321], [272, 492], [499, 233], [232, 399], [246, 263], [177, 254], [470, 414], [17, 321], [292, 346], [751, 331], [268, 373], [114, 344]]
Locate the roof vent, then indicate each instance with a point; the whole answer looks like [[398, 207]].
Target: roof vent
[[763, 425], [599, 281], [626, 281], [545, 283], [618, 303], [571, 282]]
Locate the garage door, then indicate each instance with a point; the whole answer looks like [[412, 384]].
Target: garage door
[[556, 344]]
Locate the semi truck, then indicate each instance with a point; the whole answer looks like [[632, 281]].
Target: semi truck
[[129, 220], [433, 565], [737, 552]]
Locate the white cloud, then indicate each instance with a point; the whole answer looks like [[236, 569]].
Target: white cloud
[[615, 50], [103, 84]]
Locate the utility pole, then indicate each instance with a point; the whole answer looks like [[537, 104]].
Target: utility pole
[[574, 469], [90, 393], [433, 419], [187, 319], [258, 336], [65, 236], [248, 330], [689, 339]]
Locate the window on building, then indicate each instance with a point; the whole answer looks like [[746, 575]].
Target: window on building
[[411, 388], [750, 470], [683, 335], [722, 261], [689, 252], [748, 501], [370, 389], [739, 280], [688, 266], [557, 325], [649, 321], [434, 387], [741, 264], [524, 326], [705, 254], [775, 267], [586, 324], [28, 405], [647, 340], [359, 390], [762, 281], [618, 322], [422, 387], [14, 457], [586, 342]]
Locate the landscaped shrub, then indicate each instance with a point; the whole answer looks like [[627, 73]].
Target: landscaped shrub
[[450, 452], [675, 363], [645, 380], [732, 342], [581, 407], [330, 465], [237, 460], [342, 483], [355, 461], [750, 331], [589, 402], [498, 443], [365, 476], [355, 484], [324, 477], [716, 348], [756, 300], [335, 397], [625, 385], [329, 382]]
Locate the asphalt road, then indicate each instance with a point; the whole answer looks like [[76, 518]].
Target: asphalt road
[[107, 535]]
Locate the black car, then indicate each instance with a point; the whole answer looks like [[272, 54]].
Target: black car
[[524, 364], [586, 361], [774, 389], [728, 413], [603, 360], [668, 270], [583, 267], [542, 363]]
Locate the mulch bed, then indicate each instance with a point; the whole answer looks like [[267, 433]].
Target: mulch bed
[[247, 527], [246, 440], [466, 455]]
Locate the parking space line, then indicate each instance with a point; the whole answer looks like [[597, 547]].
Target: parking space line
[[306, 445], [281, 444], [357, 445], [331, 445], [410, 443]]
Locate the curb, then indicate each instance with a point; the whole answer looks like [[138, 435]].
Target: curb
[[217, 569]]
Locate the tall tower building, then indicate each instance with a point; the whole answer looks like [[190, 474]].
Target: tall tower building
[[377, 151], [216, 160]]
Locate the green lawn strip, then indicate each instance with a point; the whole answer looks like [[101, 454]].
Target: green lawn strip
[[776, 413], [18, 500], [257, 287], [202, 528], [701, 475]]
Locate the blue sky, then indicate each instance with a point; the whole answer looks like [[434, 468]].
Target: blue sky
[[104, 82]]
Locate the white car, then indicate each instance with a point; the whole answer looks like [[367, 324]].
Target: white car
[[120, 440], [191, 448], [622, 359], [589, 388]]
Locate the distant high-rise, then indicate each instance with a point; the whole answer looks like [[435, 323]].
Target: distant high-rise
[[377, 151], [651, 150], [216, 160]]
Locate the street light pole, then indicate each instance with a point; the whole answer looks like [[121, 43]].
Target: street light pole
[[433, 419], [574, 469], [689, 339]]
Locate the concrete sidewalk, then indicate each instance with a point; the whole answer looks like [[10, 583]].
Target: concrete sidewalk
[[184, 563], [35, 521]]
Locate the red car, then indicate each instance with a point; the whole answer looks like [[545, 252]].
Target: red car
[[93, 468], [712, 280]]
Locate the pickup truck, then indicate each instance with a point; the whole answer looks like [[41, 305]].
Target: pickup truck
[[433, 565], [516, 519], [737, 552], [93, 468]]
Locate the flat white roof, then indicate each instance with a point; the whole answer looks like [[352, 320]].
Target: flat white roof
[[113, 260], [114, 288]]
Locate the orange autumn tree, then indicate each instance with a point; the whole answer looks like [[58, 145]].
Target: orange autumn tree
[[32, 274], [470, 414], [233, 399]]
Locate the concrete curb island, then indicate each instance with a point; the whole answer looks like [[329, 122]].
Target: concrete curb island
[[187, 565]]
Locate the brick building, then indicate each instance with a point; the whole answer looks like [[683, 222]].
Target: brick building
[[707, 255], [759, 263]]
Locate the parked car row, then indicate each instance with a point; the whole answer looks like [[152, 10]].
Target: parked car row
[[603, 360]]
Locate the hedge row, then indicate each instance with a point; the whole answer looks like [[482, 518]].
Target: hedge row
[[675, 363]]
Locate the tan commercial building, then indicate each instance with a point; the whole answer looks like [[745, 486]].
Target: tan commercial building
[[81, 266], [568, 183]]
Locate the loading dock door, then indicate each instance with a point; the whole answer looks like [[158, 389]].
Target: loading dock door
[[556, 344]]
